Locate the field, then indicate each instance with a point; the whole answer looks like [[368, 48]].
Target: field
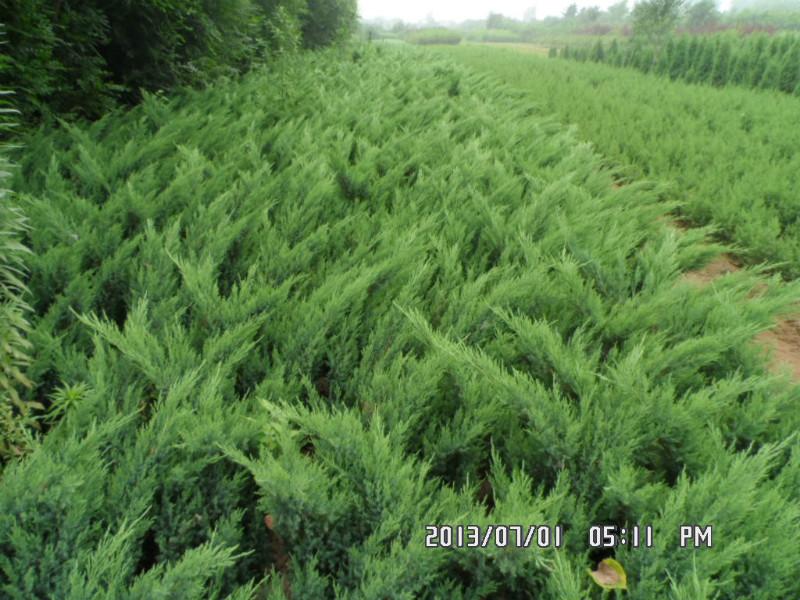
[[730, 154], [284, 324], [527, 48]]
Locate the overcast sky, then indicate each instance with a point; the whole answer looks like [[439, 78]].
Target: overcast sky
[[414, 11]]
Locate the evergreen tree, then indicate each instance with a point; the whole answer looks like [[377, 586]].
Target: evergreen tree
[[770, 79], [646, 59], [598, 52], [789, 75], [775, 46], [666, 57], [740, 71], [701, 73], [720, 71], [680, 59], [758, 66], [613, 56], [692, 57], [785, 43]]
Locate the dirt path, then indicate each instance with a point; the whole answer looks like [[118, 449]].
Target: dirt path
[[782, 343]]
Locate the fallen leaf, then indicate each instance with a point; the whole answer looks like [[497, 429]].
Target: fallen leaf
[[610, 575]]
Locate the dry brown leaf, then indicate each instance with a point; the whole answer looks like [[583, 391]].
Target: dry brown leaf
[[610, 575]]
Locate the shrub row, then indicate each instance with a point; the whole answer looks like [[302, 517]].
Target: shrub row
[[756, 61]]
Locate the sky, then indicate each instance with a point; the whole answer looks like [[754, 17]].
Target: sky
[[416, 11]]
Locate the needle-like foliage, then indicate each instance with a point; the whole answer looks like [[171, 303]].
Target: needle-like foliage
[[16, 419], [300, 318]]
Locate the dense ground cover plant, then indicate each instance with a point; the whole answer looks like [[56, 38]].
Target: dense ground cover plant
[[730, 152], [288, 325], [756, 61]]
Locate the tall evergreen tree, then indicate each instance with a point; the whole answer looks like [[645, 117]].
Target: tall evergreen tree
[[758, 65], [692, 56], [740, 71], [720, 71], [598, 51], [789, 75], [613, 55], [666, 57], [701, 72], [680, 59], [770, 78]]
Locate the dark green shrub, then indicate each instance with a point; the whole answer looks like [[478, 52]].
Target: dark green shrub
[[75, 59], [328, 21]]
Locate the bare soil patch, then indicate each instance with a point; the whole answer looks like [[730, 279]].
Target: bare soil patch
[[718, 267], [783, 343]]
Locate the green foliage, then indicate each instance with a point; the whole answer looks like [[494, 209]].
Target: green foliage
[[434, 36], [328, 21], [730, 152], [53, 57], [282, 328], [598, 53], [720, 60], [497, 36], [16, 413], [702, 14], [73, 59], [654, 20]]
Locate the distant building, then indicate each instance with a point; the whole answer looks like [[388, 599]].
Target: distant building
[[530, 14]]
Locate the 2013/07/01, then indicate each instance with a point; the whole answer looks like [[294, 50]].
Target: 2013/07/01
[[501, 536]]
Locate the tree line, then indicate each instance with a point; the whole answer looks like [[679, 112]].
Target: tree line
[[78, 59], [756, 61]]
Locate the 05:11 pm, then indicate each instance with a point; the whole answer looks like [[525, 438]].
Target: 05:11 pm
[[611, 536]]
